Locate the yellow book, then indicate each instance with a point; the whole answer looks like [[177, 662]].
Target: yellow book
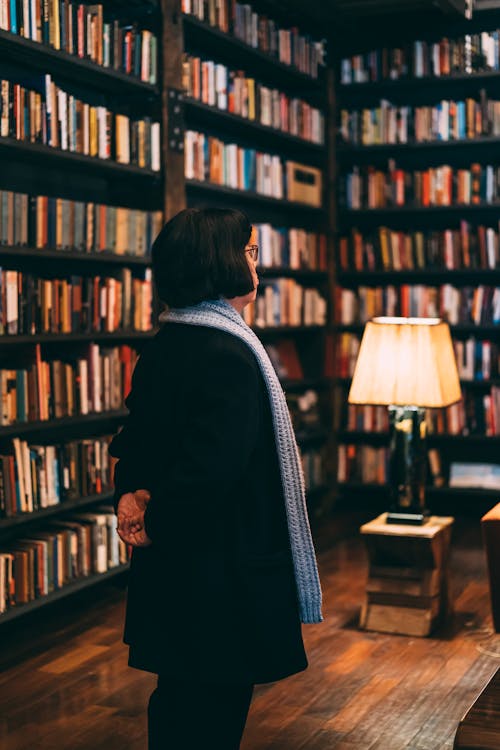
[[94, 144], [251, 98]]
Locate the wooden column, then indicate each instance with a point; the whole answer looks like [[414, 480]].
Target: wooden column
[[172, 47]]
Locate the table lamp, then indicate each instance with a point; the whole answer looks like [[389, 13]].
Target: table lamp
[[407, 364]]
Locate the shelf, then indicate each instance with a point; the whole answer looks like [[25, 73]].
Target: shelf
[[418, 275], [452, 492], [22, 519], [314, 492], [406, 86], [40, 56], [69, 588], [482, 331], [273, 330], [69, 338], [10, 148], [197, 112], [48, 425], [382, 438], [405, 213], [250, 196], [486, 145], [313, 435], [306, 383], [302, 274], [199, 36], [477, 384], [22, 251]]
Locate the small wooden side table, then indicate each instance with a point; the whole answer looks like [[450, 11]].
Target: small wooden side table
[[407, 590]]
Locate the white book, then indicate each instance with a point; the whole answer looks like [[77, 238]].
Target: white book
[[83, 385], [28, 485], [18, 458], [155, 147]]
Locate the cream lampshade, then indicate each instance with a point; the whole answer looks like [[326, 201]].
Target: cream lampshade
[[407, 364]]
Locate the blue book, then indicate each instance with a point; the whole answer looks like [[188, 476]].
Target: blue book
[[22, 414], [13, 16]]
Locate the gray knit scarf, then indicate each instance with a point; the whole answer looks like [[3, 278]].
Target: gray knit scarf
[[220, 314]]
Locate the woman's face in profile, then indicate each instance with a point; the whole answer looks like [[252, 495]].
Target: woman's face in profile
[[253, 267]]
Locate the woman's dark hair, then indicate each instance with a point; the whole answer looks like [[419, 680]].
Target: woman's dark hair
[[199, 255]]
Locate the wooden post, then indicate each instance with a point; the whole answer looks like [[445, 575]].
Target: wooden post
[[172, 47]]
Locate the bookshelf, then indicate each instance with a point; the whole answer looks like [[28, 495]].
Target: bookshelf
[[68, 218], [430, 72], [239, 114]]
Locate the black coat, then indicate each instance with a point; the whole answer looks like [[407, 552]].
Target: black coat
[[214, 597]]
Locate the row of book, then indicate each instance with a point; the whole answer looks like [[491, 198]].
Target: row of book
[[46, 222], [448, 120], [465, 54], [209, 158], [51, 116], [285, 302], [93, 382], [478, 360], [69, 548], [475, 414], [313, 468], [233, 91], [287, 45], [477, 305], [34, 476], [304, 410], [369, 187], [81, 30], [392, 250], [370, 465], [362, 463], [76, 304], [291, 248]]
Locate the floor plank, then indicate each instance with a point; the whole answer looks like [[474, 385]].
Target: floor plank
[[65, 682]]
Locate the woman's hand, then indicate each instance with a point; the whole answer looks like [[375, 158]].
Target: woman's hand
[[131, 508]]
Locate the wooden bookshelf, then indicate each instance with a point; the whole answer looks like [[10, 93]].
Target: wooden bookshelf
[[226, 47], [47, 156], [46, 59], [67, 590], [24, 429], [65, 506], [242, 128], [410, 156], [21, 252], [207, 42]]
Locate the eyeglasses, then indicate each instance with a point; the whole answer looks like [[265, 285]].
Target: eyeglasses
[[253, 251]]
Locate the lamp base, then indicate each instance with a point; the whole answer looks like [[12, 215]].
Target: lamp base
[[407, 465], [415, 519]]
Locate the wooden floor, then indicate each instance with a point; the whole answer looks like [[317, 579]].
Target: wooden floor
[[68, 686]]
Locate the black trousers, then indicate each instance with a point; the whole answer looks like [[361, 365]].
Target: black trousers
[[193, 716]]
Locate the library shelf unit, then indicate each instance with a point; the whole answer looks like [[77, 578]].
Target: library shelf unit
[[25, 519], [36, 169], [200, 36], [55, 338], [25, 253], [47, 156], [207, 116], [211, 43], [79, 584], [456, 153], [93, 419], [250, 197], [41, 57]]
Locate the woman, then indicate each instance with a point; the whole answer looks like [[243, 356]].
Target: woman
[[210, 494]]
